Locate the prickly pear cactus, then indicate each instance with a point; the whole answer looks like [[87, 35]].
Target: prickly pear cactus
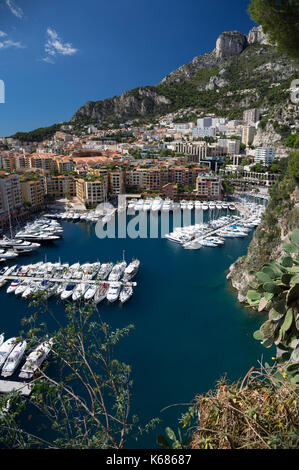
[[276, 290]]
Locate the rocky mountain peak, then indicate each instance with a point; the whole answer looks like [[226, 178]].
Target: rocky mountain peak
[[256, 35], [230, 43]]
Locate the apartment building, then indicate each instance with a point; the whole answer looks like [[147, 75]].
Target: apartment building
[[92, 192], [33, 192], [264, 155], [248, 133], [251, 116], [208, 186], [10, 193], [59, 186]]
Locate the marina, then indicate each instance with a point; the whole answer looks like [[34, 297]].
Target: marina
[[176, 288]]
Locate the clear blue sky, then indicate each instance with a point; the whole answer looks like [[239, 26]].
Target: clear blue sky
[[57, 54]]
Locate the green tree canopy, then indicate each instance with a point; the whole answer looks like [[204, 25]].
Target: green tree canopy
[[279, 19]]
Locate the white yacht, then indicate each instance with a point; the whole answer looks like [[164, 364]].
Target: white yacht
[[31, 289], [79, 291], [9, 254], [147, 205], [139, 205], [218, 205], [14, 284], [205, 206], [1, 338], [90, 292], [167, 205], [131, 270], [35, 359], [157, 204], [5, 349], [117, 271], [101, 292], [14, 359], [126, 293], [113, 291], [104, 271], [68, 291], [190, 205], [184, 204]]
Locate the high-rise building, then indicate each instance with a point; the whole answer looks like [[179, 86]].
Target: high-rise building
[[264, 155], [251, 116]]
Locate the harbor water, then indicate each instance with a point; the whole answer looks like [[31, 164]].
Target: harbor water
[[189, 331]]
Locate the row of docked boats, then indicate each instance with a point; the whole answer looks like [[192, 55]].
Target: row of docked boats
[[158, 204], [215, 232], [12, 353], [89, 281], [26, 240], [86, 216]]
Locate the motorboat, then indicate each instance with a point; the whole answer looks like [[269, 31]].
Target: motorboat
[[35, 359], [5, 349], [147, 205], [126, 293], [68, 291], [104, 271], [14, 359], [113, 291], [117, 271], [205, 206], [90, 292], [131, 270], [9, 254], [101, 292], [31, 289], [167, 205], [79, 291], [13, 286], [21, 287], [157, 204]]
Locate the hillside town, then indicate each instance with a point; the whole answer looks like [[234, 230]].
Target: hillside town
[[203, 159]]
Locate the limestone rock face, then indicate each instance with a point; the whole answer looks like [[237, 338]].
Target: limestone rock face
[[256, 35], [230, 43], [131, 103]]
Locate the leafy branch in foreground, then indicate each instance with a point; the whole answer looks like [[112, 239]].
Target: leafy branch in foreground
[[83, 397]]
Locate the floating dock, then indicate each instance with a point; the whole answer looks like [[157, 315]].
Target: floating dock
[[7, 386]]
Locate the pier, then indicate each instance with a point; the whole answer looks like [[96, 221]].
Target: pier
[[7, 386]]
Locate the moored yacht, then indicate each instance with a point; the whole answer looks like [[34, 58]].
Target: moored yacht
[[5, 349], [35, 359], [14, 359], [113, 291]]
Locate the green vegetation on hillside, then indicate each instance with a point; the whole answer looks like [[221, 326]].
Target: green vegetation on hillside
[[38, 135], [279, 19]]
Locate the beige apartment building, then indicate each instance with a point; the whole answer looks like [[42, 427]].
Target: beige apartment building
[[33, 192], [92, 192], [59, 186], [10, 193], [208, 186]]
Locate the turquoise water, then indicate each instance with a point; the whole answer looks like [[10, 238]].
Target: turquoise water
[[189, 328]]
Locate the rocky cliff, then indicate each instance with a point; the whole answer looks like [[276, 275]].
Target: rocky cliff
[[243, 71], [138, 102], [279, 220]]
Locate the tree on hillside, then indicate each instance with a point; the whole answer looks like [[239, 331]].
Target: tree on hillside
[[279, 19]]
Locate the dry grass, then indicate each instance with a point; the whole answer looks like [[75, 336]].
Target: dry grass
[[254, 414]]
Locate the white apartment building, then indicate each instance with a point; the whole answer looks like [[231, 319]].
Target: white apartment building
[[264, 155], [203, 132]]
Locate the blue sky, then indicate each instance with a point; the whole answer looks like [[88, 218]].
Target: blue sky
[[57, 54]]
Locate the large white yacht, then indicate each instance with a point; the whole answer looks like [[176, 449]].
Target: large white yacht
[[5, 349], [157, 204], [14, 359], [131, 270], [117, 271], [113, 291], [35, 359]]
